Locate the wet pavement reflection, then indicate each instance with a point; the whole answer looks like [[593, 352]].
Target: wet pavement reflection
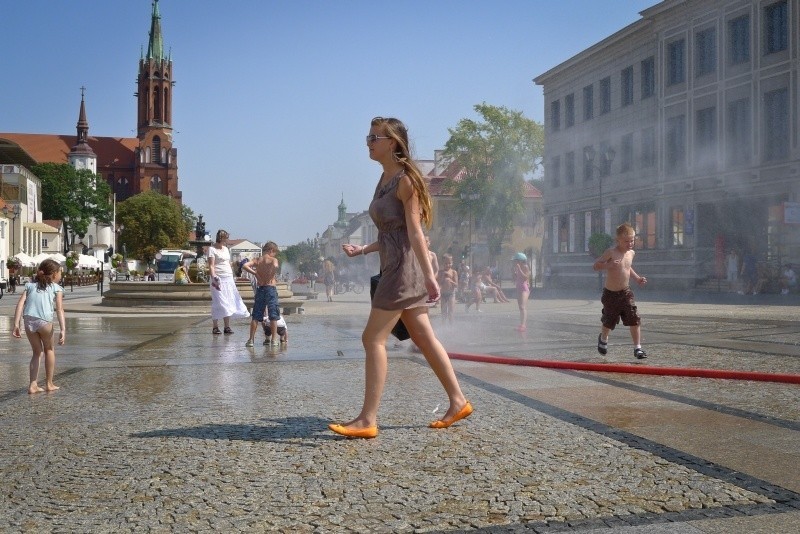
[[162, 426]]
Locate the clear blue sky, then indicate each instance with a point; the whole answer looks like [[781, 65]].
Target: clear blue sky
[[273, 98]]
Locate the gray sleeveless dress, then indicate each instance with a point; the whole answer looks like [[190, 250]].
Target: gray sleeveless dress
[[402, 282]]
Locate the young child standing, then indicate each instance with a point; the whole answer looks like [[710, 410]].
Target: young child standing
[[37, 304], [283, 332], [617, 297], [265, 269], [448, 284]]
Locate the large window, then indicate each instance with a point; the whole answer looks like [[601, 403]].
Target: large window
[[587, 164], [676, 227], [643, 219], [563, 233], [648, 148], [705, 46], [738, 132], [626, 80], [776, 27], [705, 145], [605, 95], [588, 102], [569, 168], [156, 149], [569, 110], [676, 70], [776, 125], [648, 77], [675, 157], [555, 115], [156, 184], [626, 158], [739, 40], [555, 170]]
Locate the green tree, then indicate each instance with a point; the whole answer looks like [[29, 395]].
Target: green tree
[[152, 222], [304, 256], [497, 155], [74, 196], [189, 218]]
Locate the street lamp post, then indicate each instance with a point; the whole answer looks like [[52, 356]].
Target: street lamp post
[[470, 198], [608, 157], [11, 214]]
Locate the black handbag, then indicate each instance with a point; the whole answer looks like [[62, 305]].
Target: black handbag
[[399, 331]]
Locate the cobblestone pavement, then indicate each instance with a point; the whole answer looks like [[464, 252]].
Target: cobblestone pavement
[[158, 426]]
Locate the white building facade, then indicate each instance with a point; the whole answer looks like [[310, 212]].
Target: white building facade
[[685, 124]]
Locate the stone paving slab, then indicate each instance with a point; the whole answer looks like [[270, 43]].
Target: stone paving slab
[[243, 445]]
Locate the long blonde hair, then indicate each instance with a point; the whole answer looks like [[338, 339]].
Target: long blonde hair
[[395, 129]]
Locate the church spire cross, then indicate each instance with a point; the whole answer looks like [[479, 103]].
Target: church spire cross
[[155, 48]]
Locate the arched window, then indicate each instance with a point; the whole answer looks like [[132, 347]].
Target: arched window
[[167, 115], [155, 184], [157, 105], [156, 149]]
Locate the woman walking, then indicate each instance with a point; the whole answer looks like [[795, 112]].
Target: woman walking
[[408, 286]]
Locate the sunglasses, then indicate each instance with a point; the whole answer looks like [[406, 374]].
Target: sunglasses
[[372, 138]]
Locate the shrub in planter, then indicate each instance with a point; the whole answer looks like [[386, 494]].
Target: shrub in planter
[[599, 243], [13, 264]]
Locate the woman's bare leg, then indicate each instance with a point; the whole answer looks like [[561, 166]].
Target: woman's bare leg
[[379, 325], [423, 336]]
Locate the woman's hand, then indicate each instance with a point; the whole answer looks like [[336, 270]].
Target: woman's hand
[[16, 333], [352, 250], [433, 290]]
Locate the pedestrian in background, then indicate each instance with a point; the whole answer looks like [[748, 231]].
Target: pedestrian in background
[[448, 283], [40, 300], [407, 287], [329, 278], [225, 299], [522, 276]]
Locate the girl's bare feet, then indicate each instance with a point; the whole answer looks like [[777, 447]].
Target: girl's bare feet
[[34, 388], [51, 387]]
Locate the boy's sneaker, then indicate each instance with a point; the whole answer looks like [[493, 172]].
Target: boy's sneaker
[[249, 343], [640, 354], [266, 341], [602, 346]]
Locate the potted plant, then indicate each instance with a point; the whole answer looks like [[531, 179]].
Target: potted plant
[[599, 243], [13, 264], [72, 260]]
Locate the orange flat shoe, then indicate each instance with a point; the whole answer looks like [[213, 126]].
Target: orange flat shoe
[[367, 433], [444, 423]]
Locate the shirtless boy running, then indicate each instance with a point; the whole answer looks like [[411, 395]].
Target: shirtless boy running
[[265, 269], [617, 296]]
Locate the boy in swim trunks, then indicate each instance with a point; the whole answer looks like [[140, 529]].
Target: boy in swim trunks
[[265, 269], [617, 297]]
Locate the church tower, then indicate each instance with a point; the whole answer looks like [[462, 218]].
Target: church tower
[[81, 156], [156, 158]]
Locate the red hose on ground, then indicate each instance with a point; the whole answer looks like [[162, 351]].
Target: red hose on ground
[[635, 369]]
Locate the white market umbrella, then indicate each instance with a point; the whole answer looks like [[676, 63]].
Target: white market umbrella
[[39, 258], [25, 260], [87, 262], [60, 258]]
